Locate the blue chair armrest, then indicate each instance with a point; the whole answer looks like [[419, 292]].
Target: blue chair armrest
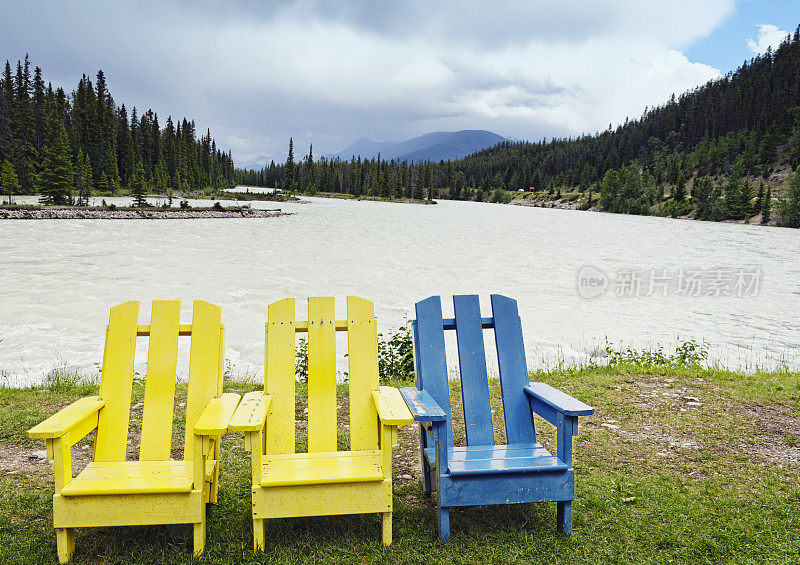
[[561, 410], [422, 405], [557, 400]]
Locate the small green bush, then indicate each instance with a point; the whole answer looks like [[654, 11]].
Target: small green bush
[[688, 353], [301, 361], [395, 357], [501, 196]]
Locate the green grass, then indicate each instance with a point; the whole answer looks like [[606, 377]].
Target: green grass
[[663, 481]]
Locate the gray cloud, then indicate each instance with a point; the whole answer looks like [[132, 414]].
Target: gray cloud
[[330, 72]]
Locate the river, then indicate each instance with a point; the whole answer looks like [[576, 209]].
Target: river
[[581, 278]]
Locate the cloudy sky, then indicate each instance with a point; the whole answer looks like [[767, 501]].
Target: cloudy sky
[[257, 72]]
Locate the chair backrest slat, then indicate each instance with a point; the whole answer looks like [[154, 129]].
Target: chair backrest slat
[[321, 374], [279, 371], [205, 366], [159, 388], [279, 374], [431, 360], [472, 364], [116, 382], [362, 355], [513, 370]]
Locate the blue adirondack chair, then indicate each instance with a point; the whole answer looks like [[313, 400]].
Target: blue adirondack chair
[[483, 472]]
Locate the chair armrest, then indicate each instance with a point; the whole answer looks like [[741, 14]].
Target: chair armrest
[[422, 405], [561, 410], [392, 411], [79, 412], [557, 400], [252, 412], [216, 416]]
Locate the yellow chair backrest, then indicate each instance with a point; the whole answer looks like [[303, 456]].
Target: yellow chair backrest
[[279, 373], [116, 381]]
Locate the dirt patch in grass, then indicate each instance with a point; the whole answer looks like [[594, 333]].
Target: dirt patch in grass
[[659, 400], [405, 457], [24, 461], [777, 433]]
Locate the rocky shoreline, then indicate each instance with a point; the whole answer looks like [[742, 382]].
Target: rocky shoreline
[[36, 213]]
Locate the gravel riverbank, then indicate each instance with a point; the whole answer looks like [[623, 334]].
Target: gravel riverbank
[[35, 213]]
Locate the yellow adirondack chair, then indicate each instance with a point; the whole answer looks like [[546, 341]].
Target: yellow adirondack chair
[[111, 491], [323, 481]]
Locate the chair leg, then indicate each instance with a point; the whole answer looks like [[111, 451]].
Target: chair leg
[[387, 529], [214, 487], [65, 543], [426, 476], [444, 522], [564, 516], [200, 537], [258, 534]]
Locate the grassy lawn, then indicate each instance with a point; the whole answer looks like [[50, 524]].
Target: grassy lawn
[[679, 464]]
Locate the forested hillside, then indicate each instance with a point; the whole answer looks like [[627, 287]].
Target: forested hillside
[[715, 153], [68, 146]]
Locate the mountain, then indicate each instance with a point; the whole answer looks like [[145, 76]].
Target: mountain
[[436, 146], [256, 163]]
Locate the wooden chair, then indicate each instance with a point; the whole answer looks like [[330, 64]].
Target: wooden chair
[[323, 481], [112, 491], [483, 472]]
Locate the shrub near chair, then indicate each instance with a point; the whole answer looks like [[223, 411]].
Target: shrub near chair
[[111, 491], [482, 472], [323, 481]]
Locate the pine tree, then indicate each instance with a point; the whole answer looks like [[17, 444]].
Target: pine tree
[[288, 174], [55, 182], [105, 123], [124, 146], [83, 178], [398, 189], [9, 184], [161, 177], [6, 140], [679, 190], [39, 112], [745, 196], [768, 150], [416, 184], [311, 177], [789, 205], [704, 197], [138, 188], [24, 156], [101, 182], [766, 206]]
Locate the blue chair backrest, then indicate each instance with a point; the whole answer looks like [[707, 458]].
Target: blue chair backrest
[[431, 365]]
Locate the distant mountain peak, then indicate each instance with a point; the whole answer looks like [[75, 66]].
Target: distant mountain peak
[[433, 146]]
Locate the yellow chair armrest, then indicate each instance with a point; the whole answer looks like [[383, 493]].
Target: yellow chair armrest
[[252, 412], [79, 412], [391, 407], [216, 417]]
